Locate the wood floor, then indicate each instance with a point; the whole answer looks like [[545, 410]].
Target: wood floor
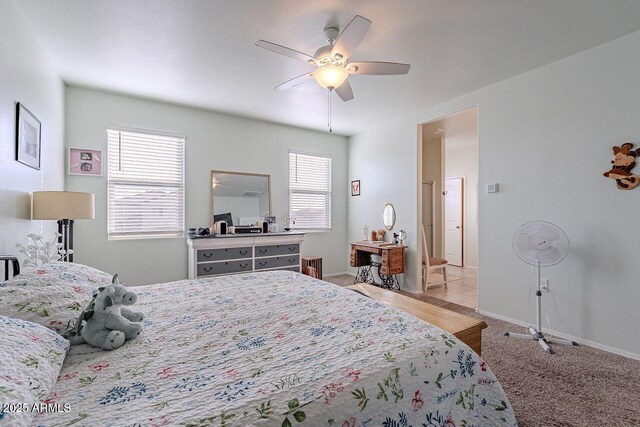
[[467, 329], [462, 287]]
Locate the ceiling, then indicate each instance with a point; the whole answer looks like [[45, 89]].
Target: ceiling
[[464, 122], [201, 52]]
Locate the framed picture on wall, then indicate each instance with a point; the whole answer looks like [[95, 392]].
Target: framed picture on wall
[[355, 188], [85, 162], [28, 139]]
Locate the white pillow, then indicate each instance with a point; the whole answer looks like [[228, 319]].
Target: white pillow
[[60, 273], [52, 295], [30, 360], [56, 307]]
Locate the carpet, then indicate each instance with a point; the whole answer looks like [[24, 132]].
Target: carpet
[[577, 386]]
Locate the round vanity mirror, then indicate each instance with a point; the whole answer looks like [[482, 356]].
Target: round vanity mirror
[[388, 216]]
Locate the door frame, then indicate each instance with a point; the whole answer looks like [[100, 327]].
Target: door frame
[[433, 209], [462, 219]]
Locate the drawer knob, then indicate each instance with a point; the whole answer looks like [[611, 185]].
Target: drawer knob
[[207, 255], [292, 248], [243, 265], [243, 252], [263, 251], [262, 262], [208, 268]]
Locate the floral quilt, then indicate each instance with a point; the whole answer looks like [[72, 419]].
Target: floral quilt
[[281, 349], [52, 295], [30, 359]]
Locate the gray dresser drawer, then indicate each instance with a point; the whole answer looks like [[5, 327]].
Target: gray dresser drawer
[[273, 250], [222, 254], [280, 261], [224, 267]]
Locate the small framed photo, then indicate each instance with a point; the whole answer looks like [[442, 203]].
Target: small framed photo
[[355, 188], [28, 138], [85, 162]]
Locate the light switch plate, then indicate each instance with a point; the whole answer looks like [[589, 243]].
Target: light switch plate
[[493, 188]]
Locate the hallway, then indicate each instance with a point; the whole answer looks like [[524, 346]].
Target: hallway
[[462, 287]]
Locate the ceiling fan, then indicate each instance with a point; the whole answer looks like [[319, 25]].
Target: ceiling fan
[[332, 61]]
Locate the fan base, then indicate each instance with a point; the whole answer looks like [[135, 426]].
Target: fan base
[[539, 336]]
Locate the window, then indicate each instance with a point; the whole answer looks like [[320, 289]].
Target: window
[[145, 185], [310, 191]]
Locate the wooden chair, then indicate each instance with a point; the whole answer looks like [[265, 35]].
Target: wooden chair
[[431, 266]]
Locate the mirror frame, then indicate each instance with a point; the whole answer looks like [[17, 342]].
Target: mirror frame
[[393, 210], [212, 189]]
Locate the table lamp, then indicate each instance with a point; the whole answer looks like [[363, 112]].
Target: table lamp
[[64, 207]]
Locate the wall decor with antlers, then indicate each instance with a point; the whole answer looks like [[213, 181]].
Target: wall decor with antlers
[[624, 160]]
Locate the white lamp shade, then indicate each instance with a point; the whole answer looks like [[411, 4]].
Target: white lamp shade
[[62, 205], [330, 76]]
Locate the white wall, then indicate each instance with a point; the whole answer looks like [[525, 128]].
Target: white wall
[[546, 137], [386, 163], [461, 159], [214, 141], [26, 76]]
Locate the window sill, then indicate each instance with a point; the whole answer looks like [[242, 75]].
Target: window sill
[[301, 230], [143, 237]]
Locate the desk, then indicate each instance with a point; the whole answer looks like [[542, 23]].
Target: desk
[[391, 265], [465, 328]]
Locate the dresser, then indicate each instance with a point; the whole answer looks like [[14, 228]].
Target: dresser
[[238, 253]]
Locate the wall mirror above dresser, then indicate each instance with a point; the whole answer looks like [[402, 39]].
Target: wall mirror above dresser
[[239, 198]]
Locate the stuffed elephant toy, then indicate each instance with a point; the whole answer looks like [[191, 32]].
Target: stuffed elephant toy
[[108, 324]]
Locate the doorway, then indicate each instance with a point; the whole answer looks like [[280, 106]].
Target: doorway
[[449, 203]]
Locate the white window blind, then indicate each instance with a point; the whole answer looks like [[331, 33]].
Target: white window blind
[[310, 191], [145, 185]]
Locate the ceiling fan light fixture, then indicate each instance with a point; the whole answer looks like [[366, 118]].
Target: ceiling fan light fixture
[[330, 76]]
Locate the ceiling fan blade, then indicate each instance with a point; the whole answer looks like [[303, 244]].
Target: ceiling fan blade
[[344, 91], [351, 36], [291, 53], [294, 82], [377, 68]]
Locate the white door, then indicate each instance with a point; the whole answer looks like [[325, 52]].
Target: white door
[[453, 206], [427, 214]]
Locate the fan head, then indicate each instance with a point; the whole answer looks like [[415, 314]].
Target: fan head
[[540, 242]]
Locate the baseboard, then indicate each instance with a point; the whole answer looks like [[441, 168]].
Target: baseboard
[[581, 341], [337, 274]]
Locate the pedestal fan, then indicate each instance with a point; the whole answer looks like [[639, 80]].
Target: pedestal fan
[[540, 244]]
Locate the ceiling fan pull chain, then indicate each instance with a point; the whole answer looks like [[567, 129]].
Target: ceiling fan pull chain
[[329, 107]]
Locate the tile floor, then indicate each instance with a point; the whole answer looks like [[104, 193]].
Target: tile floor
[[461, 288]]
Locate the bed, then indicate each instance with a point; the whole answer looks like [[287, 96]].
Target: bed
[[276, 348]]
